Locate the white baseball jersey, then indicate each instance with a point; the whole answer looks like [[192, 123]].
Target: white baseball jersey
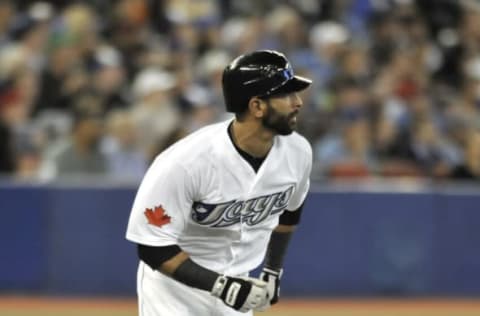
[[201, 195]]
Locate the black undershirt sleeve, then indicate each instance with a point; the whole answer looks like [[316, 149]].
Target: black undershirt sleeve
[[291, 218], [156, 256], [278, 244], [277, 248]]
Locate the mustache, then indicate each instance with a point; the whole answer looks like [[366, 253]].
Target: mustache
[[291, 115]]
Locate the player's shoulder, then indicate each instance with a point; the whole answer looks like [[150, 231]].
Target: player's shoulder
[[194, 146], [297, 143], [205, 132]]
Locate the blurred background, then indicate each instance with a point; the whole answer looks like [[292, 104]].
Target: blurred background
[[91, 91]]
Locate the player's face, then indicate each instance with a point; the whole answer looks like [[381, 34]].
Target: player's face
[[282, 111]]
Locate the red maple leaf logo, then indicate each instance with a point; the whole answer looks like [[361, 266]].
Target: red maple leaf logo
[[158, 216]]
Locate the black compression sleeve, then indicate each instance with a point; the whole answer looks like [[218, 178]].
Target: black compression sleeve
[[291, 218], [188, 272], [194, 275], [277, 247], [156, 256]]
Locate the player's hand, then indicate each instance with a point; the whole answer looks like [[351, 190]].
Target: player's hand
[[242, 294], [272, 277]]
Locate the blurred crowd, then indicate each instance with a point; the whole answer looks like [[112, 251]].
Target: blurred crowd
[[101, 87]]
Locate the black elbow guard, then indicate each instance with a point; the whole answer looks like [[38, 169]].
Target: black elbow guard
[[156, 256]]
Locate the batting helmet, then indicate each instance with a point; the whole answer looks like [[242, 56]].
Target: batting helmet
[[261, 73]]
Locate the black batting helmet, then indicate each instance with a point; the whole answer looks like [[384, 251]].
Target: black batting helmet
[[261, 73]]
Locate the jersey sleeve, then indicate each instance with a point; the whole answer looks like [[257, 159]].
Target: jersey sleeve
[[162, 205], [304, 184]]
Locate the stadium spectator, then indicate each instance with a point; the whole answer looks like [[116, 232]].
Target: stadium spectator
[[154, 113], [108, 78], [6, 148], [7, 14], [80, 154], [125, 161], [346, 150], [470, 169], [418, 64]]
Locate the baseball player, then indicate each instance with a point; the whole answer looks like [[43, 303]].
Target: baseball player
[[217, 203]]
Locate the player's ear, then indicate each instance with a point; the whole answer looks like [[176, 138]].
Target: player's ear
[[257, 107]]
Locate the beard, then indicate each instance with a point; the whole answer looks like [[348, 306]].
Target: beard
[[280, 124]]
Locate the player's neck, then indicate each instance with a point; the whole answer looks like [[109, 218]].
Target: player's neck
[[252, 138]]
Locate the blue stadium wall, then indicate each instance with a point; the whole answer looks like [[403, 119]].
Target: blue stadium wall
[[70, 241]]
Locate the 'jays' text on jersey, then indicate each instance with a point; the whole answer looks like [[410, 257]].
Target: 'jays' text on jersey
[[203, 196]]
